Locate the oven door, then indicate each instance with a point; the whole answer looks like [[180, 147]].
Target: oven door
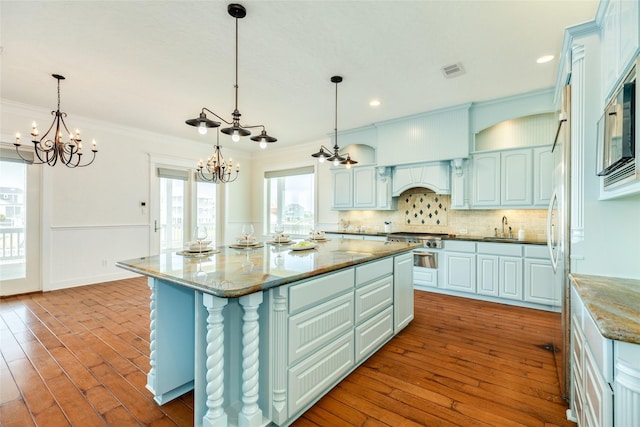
[[425, 268]]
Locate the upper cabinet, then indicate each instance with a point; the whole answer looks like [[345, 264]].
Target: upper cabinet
[[361, 188], [519, 178], [432, 136], [620, 32]]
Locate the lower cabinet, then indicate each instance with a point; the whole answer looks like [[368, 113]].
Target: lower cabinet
[[335, 322], [514, 273], [460, 265]]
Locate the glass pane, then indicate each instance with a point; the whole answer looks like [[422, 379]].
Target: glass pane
[[171, 214], [206, 208], [291, 202], [13, 223]]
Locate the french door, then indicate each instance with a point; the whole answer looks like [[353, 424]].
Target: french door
[[19, 226], [179, 204]]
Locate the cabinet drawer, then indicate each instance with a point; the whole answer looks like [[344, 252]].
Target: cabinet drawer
[[506, 249], [317, 290], [373, 332], [311, 377], [601, 348], [536, 251], [460, 246], [373, 270], [372, 298], [315, 327]]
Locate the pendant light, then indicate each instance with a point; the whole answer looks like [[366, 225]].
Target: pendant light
[[51, 149], [325, 153], [236, 129]]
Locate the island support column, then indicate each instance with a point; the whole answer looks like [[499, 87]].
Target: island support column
[[215, 415], [250, 415]]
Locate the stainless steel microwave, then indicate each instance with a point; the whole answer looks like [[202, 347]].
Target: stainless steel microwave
[[617, 137]]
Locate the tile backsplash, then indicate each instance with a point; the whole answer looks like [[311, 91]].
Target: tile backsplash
[[423, 211]]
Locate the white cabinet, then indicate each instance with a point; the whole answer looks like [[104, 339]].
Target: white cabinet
[[460, 266], [542, 175], [592, 369], [516, 178], [540, 286], [402, 290], [364, 187], [435, 176], [511, 178], [499, 269], [485, 172], [360, 188], [620, 33], [342, 188]]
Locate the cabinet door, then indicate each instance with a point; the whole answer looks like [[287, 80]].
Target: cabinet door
[[539, 282], [342, 189], [598, 397], [628, 31], [542, 175], [403, 290], [610, 42], [488, 275], [486, 179], [364, 187], [460, 271], [515, 178], [510, 279]]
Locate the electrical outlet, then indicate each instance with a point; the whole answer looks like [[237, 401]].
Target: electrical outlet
[[463, 231], [104, 262]]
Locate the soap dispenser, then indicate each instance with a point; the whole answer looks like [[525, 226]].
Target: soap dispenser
[[521, 234]]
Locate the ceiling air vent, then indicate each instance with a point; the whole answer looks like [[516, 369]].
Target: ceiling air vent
[[453, 70]]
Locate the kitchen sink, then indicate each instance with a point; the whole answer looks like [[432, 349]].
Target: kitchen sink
[[500, 239]]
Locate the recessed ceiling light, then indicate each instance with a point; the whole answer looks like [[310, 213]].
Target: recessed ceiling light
[[545, 59], [374, 103]]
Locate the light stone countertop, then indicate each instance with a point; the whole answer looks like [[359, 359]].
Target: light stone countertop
[[236, 272], [614, 304]]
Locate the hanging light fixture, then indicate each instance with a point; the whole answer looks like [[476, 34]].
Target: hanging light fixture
[[216, 170], [48, 150], [325, 153], [236, 130]]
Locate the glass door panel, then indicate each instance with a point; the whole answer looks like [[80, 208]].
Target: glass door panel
[[172, 223], [19, 228]]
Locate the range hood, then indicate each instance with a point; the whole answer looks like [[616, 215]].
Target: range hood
[[434, 176]]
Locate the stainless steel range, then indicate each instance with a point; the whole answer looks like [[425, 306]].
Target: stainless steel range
[[428, 240], [425, 261]]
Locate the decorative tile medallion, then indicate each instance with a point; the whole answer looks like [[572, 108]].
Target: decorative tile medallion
[[425, 209]]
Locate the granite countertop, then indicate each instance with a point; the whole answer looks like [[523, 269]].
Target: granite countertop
[[465, 237], [614, 304], [236, 272]]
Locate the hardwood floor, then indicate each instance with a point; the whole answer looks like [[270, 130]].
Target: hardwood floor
[[80, 357]]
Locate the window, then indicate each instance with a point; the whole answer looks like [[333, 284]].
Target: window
[[290, 199]]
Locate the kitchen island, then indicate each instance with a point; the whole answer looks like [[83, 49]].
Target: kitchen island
[[261, 334]]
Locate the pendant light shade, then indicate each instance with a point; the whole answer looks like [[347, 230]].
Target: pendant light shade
[[236, 130], [334, 155]]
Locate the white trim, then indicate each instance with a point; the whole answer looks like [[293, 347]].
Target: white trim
[[96, 226]]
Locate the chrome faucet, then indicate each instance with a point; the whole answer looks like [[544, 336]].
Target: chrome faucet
[[504, 222]]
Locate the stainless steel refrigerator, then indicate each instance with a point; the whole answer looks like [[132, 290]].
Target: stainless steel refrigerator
[[559, 239]]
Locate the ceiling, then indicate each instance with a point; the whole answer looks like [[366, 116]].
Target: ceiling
[[154, 64]]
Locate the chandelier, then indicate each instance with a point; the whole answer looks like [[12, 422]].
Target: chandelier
[[216, 170], [49, 150], [236, 130], [325, 153]]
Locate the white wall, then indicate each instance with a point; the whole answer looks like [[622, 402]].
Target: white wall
[[91, 217], [611, 245]]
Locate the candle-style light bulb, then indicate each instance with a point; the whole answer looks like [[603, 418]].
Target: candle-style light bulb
[[95, 144]]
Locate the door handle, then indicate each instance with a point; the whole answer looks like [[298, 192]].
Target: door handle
[[155, 226]]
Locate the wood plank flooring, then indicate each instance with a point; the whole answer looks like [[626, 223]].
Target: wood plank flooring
[[80, 356]]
